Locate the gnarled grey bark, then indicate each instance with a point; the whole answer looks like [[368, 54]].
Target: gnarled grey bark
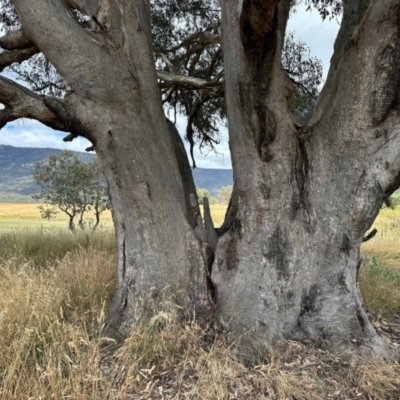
[[305, 196], [20, 102]]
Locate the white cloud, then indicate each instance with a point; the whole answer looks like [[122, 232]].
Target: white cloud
[[221, 158], [319, 35], [31, 133]]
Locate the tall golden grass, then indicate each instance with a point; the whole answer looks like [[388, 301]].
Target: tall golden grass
[[49, 317], [55, 288], [380, 276]]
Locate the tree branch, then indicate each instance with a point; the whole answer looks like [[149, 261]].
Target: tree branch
[[354, 14], [4, 117], [70, 137], [187, 81], [67, 43], [49, 84], [301, 86], [205, 39], [195, 44], [205, 96], [15, 40], [20, 102], [169, 64], [359, 105], [213, 63], [16, 56], [370, 235]]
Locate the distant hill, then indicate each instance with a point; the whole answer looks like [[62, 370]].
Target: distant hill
[[16, 168], [16, 163], [212, 179]]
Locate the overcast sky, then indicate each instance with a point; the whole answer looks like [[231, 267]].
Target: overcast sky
[[307, 27]]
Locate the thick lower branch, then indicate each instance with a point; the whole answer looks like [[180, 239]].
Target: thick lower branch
[[15, 40], [21, 102], [4, 117], [183, 80], [16, 56]]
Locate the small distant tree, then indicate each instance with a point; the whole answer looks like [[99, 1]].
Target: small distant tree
[[61, 179], [225, 193], [201, 193], [392, 201], [47, 212], [99, 199], [70, 185]]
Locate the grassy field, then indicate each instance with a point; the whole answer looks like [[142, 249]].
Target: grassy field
[[382, 253], [218, 213], [27, 216], [55, 288], [380, 276]]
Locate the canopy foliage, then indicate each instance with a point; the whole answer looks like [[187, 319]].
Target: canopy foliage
[[188, 58]]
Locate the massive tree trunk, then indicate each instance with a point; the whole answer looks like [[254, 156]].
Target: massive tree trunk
[[114, 101], [304, 198], [286, 264]]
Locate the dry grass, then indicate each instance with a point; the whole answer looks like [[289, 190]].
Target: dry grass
[[386, 244], [165, 360], [50, 349], [380, 276], [54, 289], [48, 319], [40, 248], [218, 213]]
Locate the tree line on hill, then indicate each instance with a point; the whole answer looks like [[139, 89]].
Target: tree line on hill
[[17, 184], [223, 195]]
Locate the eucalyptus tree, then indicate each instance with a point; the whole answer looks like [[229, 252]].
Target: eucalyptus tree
[[71, 186], [285, 262], [63, 179], [201, 193]]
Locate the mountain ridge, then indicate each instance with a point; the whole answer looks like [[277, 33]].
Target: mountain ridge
[[16, 167]]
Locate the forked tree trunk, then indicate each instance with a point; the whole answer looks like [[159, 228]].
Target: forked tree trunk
[[304, 199], [286, 264]]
